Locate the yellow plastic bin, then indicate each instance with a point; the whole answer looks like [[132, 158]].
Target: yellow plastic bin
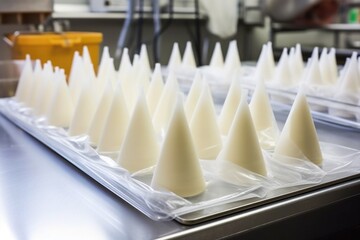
[[57, 47]]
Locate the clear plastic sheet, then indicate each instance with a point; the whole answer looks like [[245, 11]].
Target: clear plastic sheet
[[136, 190], [225, 182]]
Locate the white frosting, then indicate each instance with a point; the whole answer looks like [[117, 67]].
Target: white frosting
[[175, 57], [116, 123], [166, 104], [61, 108], [188, 59], [193, 96], [204, 127], [140, 148], [298, 138], [242, 145], [217, 58], [102, 110], [230, 106], [155, 89], [178, 169]]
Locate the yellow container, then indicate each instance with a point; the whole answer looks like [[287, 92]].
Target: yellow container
[[57, 47]]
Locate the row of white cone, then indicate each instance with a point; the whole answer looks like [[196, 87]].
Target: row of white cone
[[230, 64], [147, 124], [319, 77]]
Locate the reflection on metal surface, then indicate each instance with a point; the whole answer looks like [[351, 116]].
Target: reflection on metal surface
[[42, 196]]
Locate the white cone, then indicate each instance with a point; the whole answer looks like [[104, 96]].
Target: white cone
[[242, 145], [188, 59], [175, 58], [106, 72], [261, 70], [204, 127], [230, 106], [115, 125], [125, 65], [144, 59], [325, 67], [36, 85], [85, 108], [270, 60], [167, 101], [87, 60], [193, 96], [298, 138], [105, 56], [297, 64], [263, 116], [73, 78], [78, 78], [283, 75], [155, 89], [232, 60], [129, 87], [140, 148], [178, 169], [46, 90], [102, 110], [61, 108], [313, 74], [350, 83], [143, 78], [25, 80], [332, 66], [217, 58]]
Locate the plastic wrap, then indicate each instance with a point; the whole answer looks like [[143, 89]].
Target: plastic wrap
[[225, 182]]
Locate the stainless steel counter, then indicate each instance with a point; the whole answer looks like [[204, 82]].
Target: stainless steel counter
[[42, 196]]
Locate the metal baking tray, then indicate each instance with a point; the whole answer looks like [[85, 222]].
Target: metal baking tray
[[325, 131]]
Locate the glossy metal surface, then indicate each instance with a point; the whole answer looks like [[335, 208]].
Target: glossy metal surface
[[42, 196]]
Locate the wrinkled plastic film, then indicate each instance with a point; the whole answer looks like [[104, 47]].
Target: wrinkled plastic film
[[136, 190], [225, 181]]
